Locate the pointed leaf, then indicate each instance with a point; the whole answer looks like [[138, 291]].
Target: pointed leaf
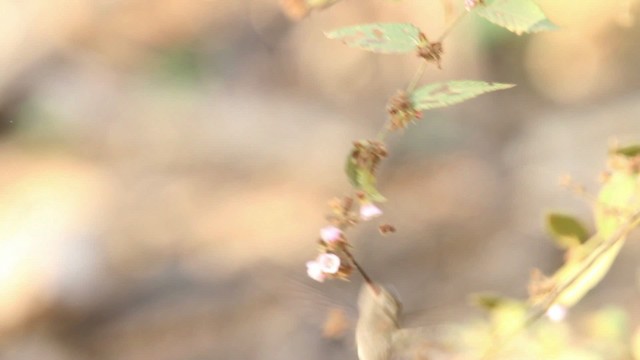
[[486, 301], [379, 37], [589, 278], [518, 16], [619, 196], [566, 230], [367, 183], [444, 94], [628, 151], [351, 169]]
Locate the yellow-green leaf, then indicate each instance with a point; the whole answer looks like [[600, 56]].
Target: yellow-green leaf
[[566, 230], [367, 183], [351, 169], [518, 16], [437, 95], [487, 301], [618, 198], [385, 38], [629, 151]]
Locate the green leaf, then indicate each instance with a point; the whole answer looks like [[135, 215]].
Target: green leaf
[[367, 183], [619, 195], [589, 278], [379, 37], [518, 16], [487, 301], [628, 151], [609, 323], [444, 94], [351, 169], [363, 179], [566, 230], [618, 198], [506, 314]]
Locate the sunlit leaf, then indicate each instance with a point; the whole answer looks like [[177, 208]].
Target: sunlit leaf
[[611, 323], [518, 16], [487, 301], [618, 198], [379, 37], [566, 230], [629, 151], [508, 317], [453, 92], [367, 183], [635, 344], [351, 169]]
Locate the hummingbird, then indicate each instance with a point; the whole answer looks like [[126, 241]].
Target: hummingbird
[[379, 335]]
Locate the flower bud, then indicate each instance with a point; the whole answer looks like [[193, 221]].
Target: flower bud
[[330, 234], [556, 313], [369, 211], [329, 263], [470, 4], [314, 270]]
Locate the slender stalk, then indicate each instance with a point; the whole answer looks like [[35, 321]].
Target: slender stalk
[[451, 26], [384, 131], [366, 277], [416, 77]]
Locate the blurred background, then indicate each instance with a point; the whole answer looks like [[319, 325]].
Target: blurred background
[[165, 167]]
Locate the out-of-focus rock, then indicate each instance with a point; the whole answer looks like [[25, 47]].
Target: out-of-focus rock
[[50, 212]]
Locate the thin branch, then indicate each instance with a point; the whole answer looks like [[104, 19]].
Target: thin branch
[[416, 77], [366, 277], [451, 26]]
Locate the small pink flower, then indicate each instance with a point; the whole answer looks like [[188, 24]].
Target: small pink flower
[[330, 234], [369, 211], [329, 263], [314, 270], [470, 4], [556, 313]]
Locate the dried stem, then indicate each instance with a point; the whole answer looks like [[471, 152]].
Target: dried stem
[[366, 277]]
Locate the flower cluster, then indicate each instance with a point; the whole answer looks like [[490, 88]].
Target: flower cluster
[[430, 51], [401, 111], [334, 260]]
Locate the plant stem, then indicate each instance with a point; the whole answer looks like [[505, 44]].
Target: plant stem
[[366, 277], [416, 77], [451, 26], [632, 223], [539, 312], [384, 131]]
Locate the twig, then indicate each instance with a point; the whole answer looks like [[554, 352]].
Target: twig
[[366, 277]]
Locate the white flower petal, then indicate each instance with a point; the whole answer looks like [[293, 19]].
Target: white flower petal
[[330, 234], [329, 263], [369, 211], [314, 271]]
